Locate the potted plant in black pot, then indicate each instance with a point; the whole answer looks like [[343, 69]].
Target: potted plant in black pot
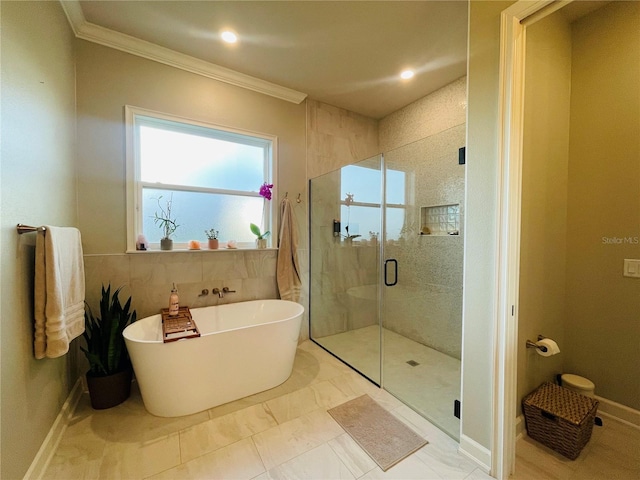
[[110, 371]]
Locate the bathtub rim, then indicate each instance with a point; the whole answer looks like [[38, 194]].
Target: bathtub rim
[[160, 341]]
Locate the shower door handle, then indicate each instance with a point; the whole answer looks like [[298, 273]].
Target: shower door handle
[[395, 272]]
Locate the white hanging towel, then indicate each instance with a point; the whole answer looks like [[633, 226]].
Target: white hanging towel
[[59, 291], [287, 267]]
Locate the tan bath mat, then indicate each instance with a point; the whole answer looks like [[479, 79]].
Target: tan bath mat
[[385, 438]]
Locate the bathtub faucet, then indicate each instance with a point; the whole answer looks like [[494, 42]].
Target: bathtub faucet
[[220, 293]]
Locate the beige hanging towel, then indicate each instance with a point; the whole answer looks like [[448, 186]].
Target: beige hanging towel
[[59, 291], [288, 269]]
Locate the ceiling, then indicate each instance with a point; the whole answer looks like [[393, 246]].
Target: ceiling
[[345, 53]]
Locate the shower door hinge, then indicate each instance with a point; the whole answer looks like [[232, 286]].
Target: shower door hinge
[[462, 156], [456, 408]]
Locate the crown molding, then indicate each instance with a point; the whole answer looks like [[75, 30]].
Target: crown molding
[[141, 48]]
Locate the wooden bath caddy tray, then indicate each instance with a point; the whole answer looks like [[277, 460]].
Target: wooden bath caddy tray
[[178, 326]]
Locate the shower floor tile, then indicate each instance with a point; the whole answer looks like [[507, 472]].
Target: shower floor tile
[[430, 387]]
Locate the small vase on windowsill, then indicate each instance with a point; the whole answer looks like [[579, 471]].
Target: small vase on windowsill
[[166, 244], [261, 243], [214, 244]]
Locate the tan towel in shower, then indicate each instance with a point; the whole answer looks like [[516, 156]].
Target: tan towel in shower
[[59, 291], [287, 268]]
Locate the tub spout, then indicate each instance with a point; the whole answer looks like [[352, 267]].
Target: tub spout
[[217, 291]]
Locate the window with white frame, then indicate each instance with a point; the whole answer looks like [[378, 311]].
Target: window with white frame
[[210, 175], [361, 198]]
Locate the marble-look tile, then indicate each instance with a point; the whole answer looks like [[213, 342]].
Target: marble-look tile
[[320, 463], [222, 431], [260, 264], [129, 422], [239, 460], [224, 265], [441, 454], [161, 269], [299, 379], [355, 458], [430, 387], [140, 460], [293, 405], [259, 288], [337, 137], [478, 474], [284, 442], [409, 468], [79, 453]]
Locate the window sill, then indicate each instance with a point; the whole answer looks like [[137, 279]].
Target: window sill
[[205, 250]]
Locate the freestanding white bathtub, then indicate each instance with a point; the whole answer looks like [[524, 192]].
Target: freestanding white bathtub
[[244, 348]]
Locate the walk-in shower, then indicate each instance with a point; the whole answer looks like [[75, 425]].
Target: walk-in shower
[[386, 243]]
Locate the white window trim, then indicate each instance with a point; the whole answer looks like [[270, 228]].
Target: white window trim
[[134, 184]]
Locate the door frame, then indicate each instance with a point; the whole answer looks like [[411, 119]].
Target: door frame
[[514, 22]]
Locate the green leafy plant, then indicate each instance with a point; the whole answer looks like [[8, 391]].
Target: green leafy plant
[[164, 220], [211, 234], [256, 231], [106, 349]]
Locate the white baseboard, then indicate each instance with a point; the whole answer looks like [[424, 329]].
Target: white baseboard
[[475, 452], [50, 443], [620, 412]]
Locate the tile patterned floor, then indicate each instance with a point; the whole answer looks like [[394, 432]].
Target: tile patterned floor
[[612, 453], [283, 433], [429, 387]]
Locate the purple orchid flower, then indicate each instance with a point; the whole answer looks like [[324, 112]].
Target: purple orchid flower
[[265, 190]]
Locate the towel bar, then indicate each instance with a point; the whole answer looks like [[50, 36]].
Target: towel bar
[[26, 229]]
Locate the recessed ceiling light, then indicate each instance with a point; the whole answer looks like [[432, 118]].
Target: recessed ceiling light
[[407, 74], [229, 37]]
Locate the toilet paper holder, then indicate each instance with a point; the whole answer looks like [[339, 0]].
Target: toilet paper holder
[[531, 344]]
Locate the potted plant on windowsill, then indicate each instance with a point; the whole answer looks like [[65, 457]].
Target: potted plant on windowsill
[[261, 240], [166, 222], [212, 236], [265, 193], [110, 370]]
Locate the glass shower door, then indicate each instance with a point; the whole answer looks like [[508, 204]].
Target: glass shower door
[[422, 310], [345, 227]]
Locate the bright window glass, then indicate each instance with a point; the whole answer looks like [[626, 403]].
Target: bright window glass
[[211, 175], [364, 184]]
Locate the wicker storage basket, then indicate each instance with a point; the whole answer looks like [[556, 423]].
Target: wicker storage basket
[[560, 418]]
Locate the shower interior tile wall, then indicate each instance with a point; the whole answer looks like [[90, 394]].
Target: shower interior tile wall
[[337, 267], [427, 306]]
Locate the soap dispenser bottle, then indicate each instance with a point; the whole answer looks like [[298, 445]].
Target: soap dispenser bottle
[[174, 304]]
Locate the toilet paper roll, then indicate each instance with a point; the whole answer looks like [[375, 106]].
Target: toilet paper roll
[[552, 347]]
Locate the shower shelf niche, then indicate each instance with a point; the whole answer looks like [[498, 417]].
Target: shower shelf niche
[[440, 220]]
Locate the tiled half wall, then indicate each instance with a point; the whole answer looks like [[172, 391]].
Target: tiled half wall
[[149, 276]]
